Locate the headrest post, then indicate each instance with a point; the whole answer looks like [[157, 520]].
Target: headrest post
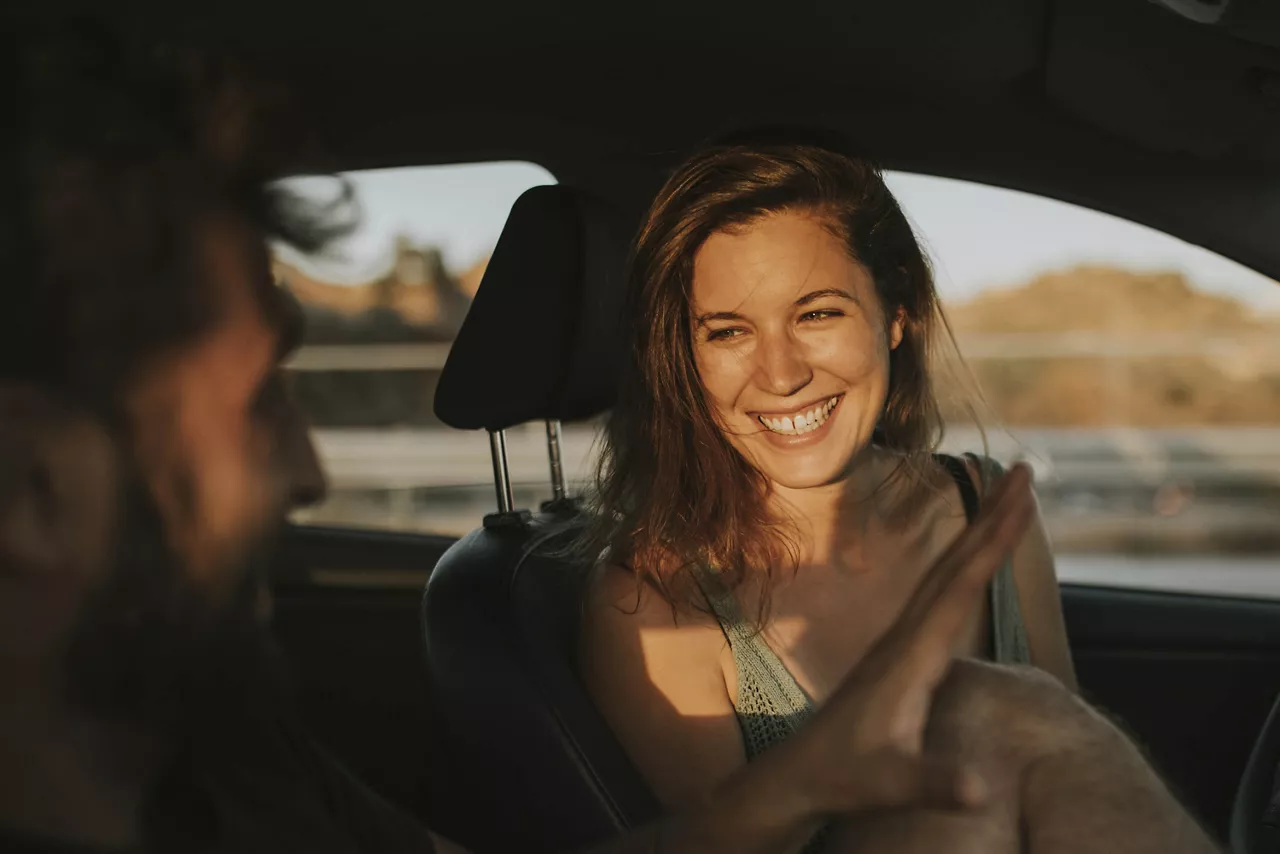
[[501, 476], [553, 453]]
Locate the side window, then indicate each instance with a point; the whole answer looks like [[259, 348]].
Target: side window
[[382, 308], [1139, 374]]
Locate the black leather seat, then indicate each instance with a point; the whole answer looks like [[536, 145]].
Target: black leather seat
[[536, 768], [1255, 817]]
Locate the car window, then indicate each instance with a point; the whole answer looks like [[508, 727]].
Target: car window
[[1139, 374], [383, 307]]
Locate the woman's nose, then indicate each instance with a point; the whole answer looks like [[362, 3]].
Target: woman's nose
[[782, 368]]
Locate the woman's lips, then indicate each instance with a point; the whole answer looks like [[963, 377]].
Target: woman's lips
[[810, 435]]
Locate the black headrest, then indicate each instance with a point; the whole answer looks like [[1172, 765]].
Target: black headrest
[[541, 339]]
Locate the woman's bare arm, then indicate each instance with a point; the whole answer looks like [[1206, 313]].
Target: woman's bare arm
[[657, 679]]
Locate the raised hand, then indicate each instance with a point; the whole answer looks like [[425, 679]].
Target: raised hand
[[864, 747]]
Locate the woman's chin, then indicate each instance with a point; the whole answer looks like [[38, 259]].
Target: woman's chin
[[791, 464], [809, 474]]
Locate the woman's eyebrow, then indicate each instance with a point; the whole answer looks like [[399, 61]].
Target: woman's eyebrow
[[839, 293], [704, 319], [826, 292]]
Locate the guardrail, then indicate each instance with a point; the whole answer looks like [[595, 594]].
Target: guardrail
[[440, 457]]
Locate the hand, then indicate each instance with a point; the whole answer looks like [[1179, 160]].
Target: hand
[[864, 747]]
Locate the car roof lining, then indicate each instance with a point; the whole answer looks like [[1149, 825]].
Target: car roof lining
[[1118, 105]]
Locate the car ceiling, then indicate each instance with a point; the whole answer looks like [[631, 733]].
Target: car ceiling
[[1120, 105]]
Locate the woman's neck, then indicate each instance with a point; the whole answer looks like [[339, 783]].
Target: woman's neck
[[832, 520]]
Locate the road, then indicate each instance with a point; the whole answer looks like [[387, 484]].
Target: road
[[439, 457], [1210, 492]]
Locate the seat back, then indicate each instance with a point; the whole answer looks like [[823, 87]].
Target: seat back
[[534, 762], [535, 766]]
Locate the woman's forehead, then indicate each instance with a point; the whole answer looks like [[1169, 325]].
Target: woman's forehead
[[774, 260]]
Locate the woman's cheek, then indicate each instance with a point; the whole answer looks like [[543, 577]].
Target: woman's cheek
[[721, 377], [854, 354]]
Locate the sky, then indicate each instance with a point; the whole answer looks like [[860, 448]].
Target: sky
[[978, 236]]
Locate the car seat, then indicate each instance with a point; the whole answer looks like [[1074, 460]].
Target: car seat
[[536, 767]]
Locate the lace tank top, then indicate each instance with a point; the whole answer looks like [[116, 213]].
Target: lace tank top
[[771, 705]]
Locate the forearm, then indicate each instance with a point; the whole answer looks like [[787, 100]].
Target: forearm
[[1103, 796]]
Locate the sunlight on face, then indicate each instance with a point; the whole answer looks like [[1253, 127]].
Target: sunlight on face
[[792, 346], [202, 444]]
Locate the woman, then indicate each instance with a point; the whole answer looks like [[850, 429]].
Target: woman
[[768, 492]]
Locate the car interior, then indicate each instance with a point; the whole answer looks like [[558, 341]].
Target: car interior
[[440, 669]]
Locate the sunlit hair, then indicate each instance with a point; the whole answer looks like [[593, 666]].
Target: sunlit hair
[[672, 493]]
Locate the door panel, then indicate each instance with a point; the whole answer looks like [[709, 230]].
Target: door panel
[[346, 615], [1191, 678]]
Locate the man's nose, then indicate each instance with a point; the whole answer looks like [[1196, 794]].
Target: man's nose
[[781, 365], [307, 483]]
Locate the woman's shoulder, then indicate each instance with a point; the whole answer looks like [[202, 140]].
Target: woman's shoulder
[[937, 493], [619, 598], [630, 633]]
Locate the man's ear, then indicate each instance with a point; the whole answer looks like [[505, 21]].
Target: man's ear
[[897, 327], [58, 477]]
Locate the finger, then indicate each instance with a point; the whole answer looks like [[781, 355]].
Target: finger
[[918, 647], [1010, 494], [928, 643], [996, 529], [892, 779], [997, 535]]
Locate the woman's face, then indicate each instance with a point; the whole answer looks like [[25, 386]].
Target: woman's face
[[792, 346]]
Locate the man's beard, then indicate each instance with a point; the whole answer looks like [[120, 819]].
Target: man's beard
[[155, 654]]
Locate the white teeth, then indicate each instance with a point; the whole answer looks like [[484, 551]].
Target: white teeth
[[802, 423]]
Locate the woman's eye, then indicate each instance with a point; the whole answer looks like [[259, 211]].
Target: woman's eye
[[723, 334], [820, 314]]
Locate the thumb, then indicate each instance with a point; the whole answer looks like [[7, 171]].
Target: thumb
[[890, 778]]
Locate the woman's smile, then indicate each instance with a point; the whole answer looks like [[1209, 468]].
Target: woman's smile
[[801, 427]]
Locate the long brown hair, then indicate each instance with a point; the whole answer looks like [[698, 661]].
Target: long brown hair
[[671, 492]]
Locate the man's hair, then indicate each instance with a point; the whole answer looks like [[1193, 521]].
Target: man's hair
[[117, 156]]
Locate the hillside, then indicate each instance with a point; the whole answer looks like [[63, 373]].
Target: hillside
[[418, 299], [1238, 384], [1102, 299]]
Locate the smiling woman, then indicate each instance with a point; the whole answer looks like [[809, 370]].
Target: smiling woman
[[769, 492], [806, 331], [772, 280]]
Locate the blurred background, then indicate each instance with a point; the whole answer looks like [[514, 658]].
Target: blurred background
[[1138, 374]]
